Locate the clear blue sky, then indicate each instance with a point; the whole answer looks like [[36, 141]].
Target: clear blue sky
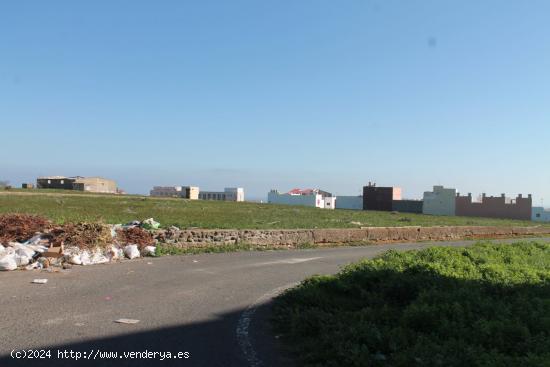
[[279, 94]]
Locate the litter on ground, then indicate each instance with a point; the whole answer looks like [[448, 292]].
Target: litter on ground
[[127, 321], [31, 242], [40, 281]]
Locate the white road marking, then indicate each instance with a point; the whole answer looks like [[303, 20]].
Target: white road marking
[[287, 261], [242, 331]]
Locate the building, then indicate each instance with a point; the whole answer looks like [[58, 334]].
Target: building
[[27, 186], [349, 202], [192, 192], [55, 182], [78, 183], [495, 207], [229, 194], [539, 214], [303, 197], [95, 184], [380, 198], [166, 191], [440, 201], [408, 206], [185, 192]]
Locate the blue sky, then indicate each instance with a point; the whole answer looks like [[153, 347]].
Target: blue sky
[[279, 94]]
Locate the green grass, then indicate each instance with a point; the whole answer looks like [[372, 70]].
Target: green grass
[[66, 206], [487, 305]]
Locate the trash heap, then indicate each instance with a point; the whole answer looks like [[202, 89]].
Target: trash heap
[[32, 242]]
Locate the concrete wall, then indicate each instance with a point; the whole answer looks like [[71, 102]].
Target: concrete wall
[[440, 201], [290, 238], [495, 207], [349, 202], [407, 206], [540, 214]]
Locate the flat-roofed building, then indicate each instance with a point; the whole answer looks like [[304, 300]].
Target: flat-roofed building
[[495, 207], [78, 183], [229, 194], [304, 197], [440, 201]]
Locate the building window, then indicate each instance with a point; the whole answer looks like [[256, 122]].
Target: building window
[[538, 215], [62, 182], [49, 182]]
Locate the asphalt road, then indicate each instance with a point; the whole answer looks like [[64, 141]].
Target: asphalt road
[[214, 307]]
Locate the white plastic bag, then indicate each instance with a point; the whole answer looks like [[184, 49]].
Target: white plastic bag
[[7, 262], [131, 252], [149, 251], [21, 260], [23, 250], [98, 257], [85, 258]]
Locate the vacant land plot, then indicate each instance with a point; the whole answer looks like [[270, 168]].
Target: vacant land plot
[[61, 208], [486, 305]]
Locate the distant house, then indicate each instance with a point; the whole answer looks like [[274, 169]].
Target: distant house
[[303, 197], [78, 183], [440, 201], [229, 194]]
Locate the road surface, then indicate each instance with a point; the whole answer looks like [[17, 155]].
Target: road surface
[[215, 307]]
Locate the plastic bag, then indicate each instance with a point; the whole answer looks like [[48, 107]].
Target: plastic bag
[[98, 257], [150, 224], [149, 251], [131, 252], [21, 260], [7, 262]]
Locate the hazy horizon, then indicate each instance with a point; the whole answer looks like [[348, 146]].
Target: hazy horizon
[[278, 95]]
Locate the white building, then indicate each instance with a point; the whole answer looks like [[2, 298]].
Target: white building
[[440, 201], [349, 202], [540, 214], [309, 197], [229, 194]]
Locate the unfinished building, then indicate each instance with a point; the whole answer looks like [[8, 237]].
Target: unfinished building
[[495, 207]]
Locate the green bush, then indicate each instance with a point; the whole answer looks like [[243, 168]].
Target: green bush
[[486, 305]]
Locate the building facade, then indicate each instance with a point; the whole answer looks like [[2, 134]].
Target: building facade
[[304, 197], [185, 192], [539, 214], [440, 201], [495, 207], [380, 198], [78, 183], [166, 191], [229, 194]]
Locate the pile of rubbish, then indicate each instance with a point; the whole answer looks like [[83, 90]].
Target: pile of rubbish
[[32, 242]]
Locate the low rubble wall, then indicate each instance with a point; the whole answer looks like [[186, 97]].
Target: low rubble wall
[[296, 237]]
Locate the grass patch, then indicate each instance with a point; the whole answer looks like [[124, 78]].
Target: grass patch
[[486, 305], [62, 207]]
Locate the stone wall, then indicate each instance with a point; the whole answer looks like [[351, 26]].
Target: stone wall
[[290, 238]]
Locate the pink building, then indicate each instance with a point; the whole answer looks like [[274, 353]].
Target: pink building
[[495, 207]]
